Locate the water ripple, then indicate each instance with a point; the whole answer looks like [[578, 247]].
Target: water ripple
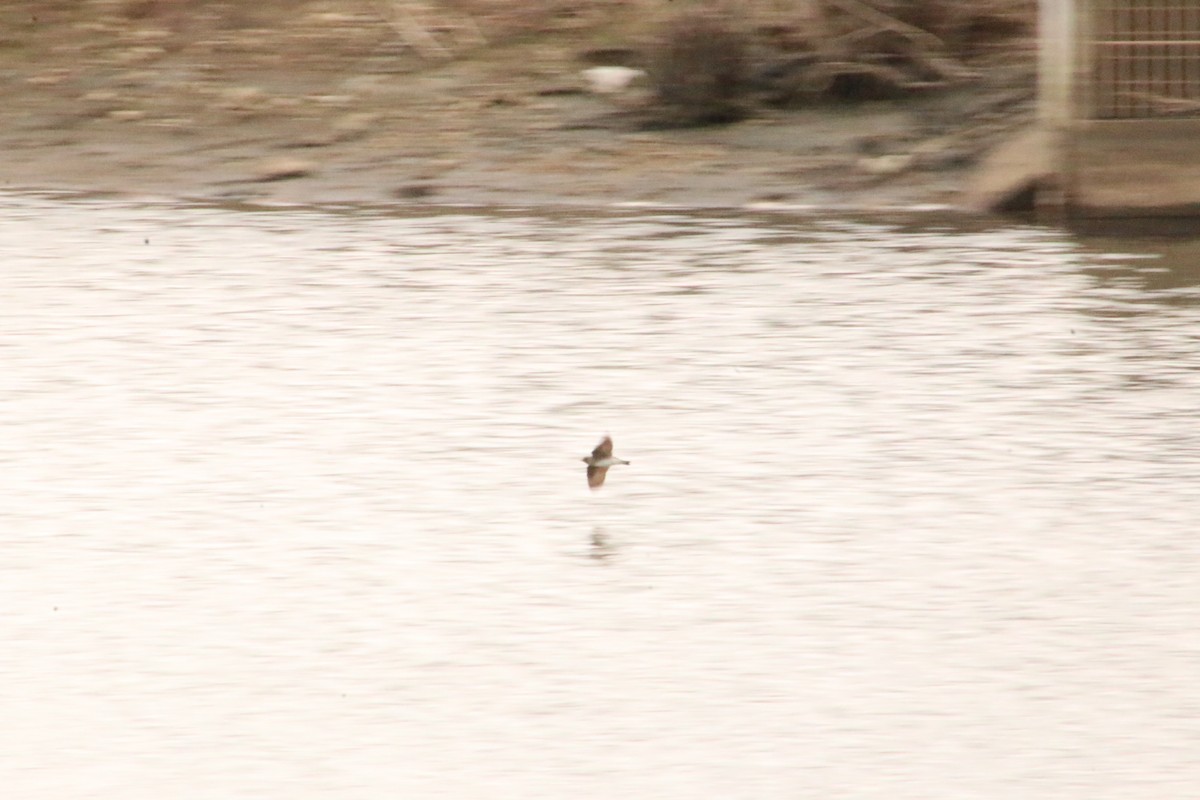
[[293, 506]]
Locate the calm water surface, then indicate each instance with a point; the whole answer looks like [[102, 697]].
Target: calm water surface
[[292, 507]]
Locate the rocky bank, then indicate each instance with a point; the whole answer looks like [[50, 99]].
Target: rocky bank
[[345, 101]]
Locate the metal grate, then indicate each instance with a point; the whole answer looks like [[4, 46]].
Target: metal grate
[[1145, 58]]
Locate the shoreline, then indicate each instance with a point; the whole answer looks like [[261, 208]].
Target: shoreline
[[616, 172]]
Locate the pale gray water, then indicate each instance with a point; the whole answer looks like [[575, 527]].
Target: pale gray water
[[293, 508]]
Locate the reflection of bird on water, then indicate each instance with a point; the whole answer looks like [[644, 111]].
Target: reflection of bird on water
[[602, 548], [599, 462]]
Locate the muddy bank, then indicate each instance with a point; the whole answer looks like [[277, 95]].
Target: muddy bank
[[331, 101]]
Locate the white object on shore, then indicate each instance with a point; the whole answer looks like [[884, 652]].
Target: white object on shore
[[611, 80]]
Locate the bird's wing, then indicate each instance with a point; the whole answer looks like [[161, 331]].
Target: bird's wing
[[596, 476], [604, 449]]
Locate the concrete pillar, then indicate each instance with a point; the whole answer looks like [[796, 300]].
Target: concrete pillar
[[1059, 105]]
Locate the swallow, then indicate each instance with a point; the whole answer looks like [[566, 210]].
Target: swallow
[[599, 462]]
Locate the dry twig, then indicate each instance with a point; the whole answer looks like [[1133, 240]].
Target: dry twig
[[412, 20]]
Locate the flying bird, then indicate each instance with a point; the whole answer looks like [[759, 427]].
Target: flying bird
[[599, 462]]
